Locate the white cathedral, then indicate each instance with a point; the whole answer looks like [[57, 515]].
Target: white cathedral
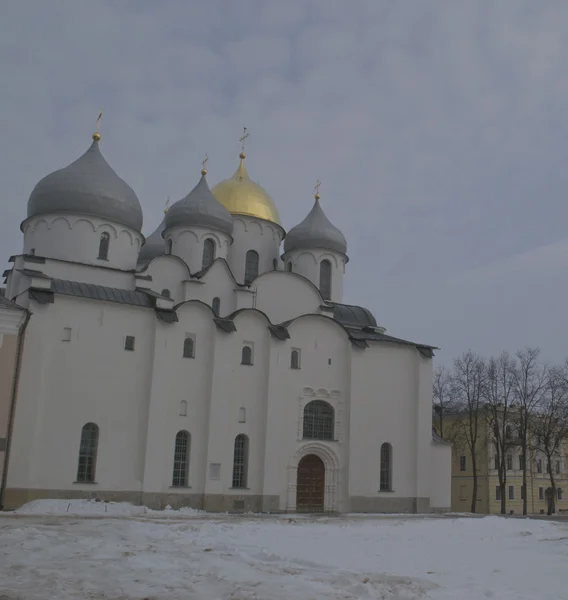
[[204, 365]]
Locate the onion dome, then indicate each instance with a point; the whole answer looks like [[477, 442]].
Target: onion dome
[[315, 232], [154, 244], [242, 196], [88, 186], [200, 208]]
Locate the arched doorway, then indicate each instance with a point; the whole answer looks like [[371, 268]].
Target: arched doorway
[[310, 485]]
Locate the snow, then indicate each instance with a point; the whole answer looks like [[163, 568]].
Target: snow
[[63, 550]]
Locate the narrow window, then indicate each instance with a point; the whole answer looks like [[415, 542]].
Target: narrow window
[[508, 432], [246, 356], [169, 245], [240, 462], [216, 306], [547, 468], [558, 467], [66, 334], [290, 266], [521, 462], [189, 347], [129, 343], [386, 468], [88, 453], [166, 293], [181, 459], [242, 414], [511, 492], [208, 253], [539, 465], [183, 408], [541, 493], [462, 463], [251, 266], [274, 264], [497, 493], [325, 279], [295, 359], [103, 246], [319, 421], [509, 462], [560, 494]]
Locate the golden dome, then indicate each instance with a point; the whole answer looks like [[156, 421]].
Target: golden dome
[[242, 196]]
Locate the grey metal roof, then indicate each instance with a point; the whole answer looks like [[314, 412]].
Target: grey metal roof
[[348, 314], [200, 208], [5, 303], [101, 292], [88, 186], [154, 244], [315, 231]]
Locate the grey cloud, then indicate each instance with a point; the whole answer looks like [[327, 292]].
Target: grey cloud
[[437, 129]]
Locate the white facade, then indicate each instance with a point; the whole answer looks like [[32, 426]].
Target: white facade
[[171, 348]]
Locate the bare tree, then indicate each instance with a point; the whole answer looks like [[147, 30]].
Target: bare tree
[[550, 426], [499, 394], [469, 379], [443, 397], [530, 379]]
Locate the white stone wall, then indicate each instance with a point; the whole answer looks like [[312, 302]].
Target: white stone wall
[[440, 483], [77, 238], [254, 234], [307, 263], [187, 243]]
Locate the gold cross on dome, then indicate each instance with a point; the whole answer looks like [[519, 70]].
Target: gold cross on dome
[[167, 205], [243, 139], [204, 165], [97, 135], [316, 189]]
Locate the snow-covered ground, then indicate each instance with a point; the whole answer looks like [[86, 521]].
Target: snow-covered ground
[[60, 550]]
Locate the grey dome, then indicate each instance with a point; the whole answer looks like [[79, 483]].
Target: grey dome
[[315, 231], [154, 244], [88, 186], [200, 208]]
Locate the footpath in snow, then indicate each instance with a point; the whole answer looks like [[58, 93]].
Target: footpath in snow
[[55, 550]]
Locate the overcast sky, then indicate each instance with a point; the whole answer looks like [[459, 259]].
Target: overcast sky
[[439, 131]]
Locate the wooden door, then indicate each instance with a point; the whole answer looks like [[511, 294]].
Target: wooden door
[[310, 487]]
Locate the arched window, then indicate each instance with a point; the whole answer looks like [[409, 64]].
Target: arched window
[[88, 453], [208, 253], [386, 468], [181, 459], [295, 359], [183, 408], [275, 264], [216, 306], [103, 246], [166, 293], [251, 266], [246, 356], [325, 279], [319, 421], [240, 461], [169, 245], [290, 266], [188, 348]]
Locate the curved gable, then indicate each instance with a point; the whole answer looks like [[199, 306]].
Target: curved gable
[[284, 296]]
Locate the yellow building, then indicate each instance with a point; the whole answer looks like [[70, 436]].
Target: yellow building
[[488, 491]]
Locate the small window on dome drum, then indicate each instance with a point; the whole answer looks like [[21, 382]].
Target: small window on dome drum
[[103, 246], [251, 266], [290, 266], [208, 253], [325, 279], [169, 245], [216, 306]]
